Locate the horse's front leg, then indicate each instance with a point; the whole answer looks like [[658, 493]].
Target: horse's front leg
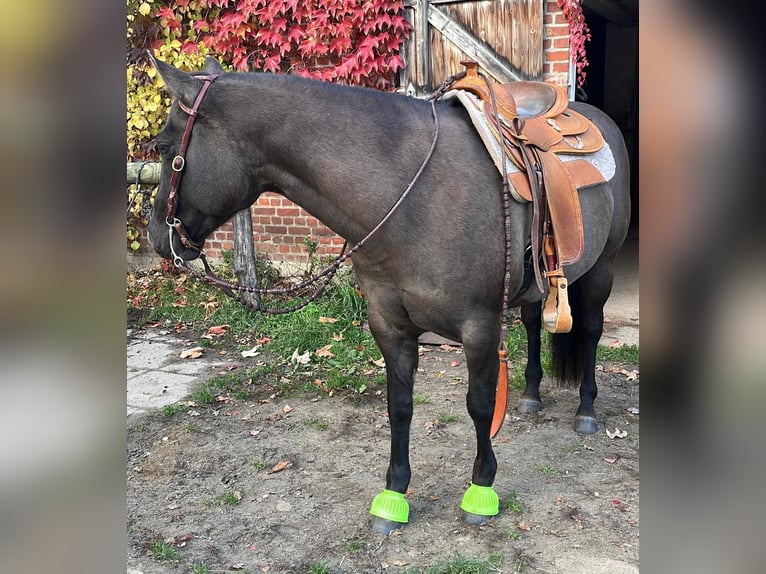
[[480, 501], [390, 510]]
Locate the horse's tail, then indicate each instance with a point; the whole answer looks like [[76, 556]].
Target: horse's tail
[[568, 349]]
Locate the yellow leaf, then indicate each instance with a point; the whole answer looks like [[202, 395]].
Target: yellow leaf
[[327, 320]]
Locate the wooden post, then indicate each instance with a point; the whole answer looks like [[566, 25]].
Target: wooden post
[[244, 254]]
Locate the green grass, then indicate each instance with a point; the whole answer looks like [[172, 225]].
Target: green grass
[[317, 424], [231, 498], [170, 410], [513, 503], [204, 395], [161, 551], [195, 306], [625, 354], [447, 418], [258, 464], [319, 568], [355, 545], [201, 569], [461, 565], [547, 470], [421, 399]]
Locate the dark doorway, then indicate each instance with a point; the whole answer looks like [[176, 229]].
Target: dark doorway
[[612, 74]]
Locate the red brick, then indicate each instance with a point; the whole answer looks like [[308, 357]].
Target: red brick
[[557, 55]]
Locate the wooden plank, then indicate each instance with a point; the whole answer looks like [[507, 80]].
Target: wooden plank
[[150, 172], [422, 45], [474, 48]]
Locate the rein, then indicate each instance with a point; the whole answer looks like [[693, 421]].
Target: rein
[[175, 224]]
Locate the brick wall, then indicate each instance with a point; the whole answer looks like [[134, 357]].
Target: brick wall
[[555, 45], [280, 226]]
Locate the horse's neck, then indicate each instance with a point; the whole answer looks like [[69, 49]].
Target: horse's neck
[[335, 155]]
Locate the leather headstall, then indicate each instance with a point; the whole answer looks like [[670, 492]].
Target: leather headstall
[[178, 164]]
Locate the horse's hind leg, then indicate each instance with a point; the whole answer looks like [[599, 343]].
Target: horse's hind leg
[[480, 500], [531, 316], [591, 292]]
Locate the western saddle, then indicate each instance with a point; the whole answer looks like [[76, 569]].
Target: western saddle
[[536, 124]]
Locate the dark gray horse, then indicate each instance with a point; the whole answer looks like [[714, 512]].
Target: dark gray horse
[[346, 155]]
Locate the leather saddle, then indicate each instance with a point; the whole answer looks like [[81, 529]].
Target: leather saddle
[[534, 124]]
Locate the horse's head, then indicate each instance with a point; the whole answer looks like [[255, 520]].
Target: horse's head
[[202, 178]]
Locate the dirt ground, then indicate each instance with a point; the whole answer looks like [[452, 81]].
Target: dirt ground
[[301, 472]]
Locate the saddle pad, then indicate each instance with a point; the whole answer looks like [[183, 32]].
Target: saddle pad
[[601, 161]]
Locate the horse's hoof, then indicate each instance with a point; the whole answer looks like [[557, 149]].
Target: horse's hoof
[[529, 406], [390, 511], [472, 519], [383, 526], [585, 424], [480, 503]]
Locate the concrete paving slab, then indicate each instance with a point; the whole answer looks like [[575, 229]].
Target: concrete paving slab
[[156, 389]]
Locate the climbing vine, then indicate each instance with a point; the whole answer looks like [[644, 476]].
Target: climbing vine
[[579, 33]]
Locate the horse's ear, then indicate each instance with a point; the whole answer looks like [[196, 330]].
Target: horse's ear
[[212, 66], [183, 85]]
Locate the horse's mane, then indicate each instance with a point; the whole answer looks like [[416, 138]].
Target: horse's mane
[[299, 84]]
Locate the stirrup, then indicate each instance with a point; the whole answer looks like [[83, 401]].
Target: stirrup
[[557, 315]]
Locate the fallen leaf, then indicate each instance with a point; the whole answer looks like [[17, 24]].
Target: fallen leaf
[[286, 409], [223, 352], [380, 363], [280, 466], [337, 337], [239, 566], [454, 363], [617, 433], [630, 375], [300, 358], [327, 320], [193, 353], [611, 459], [398, 562], [324, 351], [251, 352], [218, 329], [524, 526]]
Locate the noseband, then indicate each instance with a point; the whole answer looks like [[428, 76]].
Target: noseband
[[178, 164]]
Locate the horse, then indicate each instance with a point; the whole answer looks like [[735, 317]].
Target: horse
[[435, 264]]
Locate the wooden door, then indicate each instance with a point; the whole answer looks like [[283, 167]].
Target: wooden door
[[504, 36]]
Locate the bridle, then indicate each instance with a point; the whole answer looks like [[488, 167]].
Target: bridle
[[178, 164]]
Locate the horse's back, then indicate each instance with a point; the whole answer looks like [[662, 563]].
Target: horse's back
[[619, 183]]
